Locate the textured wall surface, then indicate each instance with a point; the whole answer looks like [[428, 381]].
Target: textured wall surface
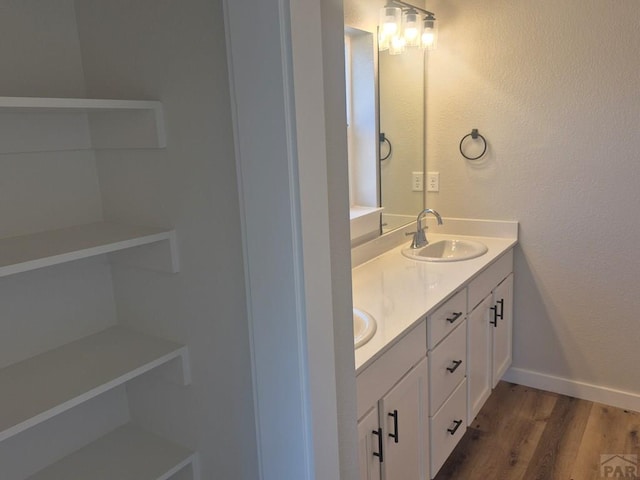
[[554, 88]]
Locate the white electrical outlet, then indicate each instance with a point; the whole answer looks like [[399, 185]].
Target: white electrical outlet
[[417, 181], [433, 181]]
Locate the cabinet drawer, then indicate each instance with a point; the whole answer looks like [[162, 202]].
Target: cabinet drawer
[[378, 378], [446, 318], [447, 366], [482, 285], [450, 418]]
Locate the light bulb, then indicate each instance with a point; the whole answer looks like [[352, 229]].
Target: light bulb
[[429, 33], [412, 27], [396, 45], [389, 25]]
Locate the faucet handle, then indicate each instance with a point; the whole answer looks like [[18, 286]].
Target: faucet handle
[[419, 238]]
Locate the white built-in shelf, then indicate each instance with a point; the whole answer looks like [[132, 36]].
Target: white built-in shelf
[[46, 385], [127, 453], [29, 252], [79, 123], [84, 105]]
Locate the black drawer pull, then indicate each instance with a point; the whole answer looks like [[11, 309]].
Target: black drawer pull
[[379, 452], [501, 314], [456, 364], [394, 435], [494, 322], [454, 317], [453, 430]]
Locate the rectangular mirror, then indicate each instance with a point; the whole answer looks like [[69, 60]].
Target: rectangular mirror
[[386, 128]]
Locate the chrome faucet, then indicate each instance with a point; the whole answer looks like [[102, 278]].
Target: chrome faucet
[[419, 236]]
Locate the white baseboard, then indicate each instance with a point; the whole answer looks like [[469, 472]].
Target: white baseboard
[[572, 388]]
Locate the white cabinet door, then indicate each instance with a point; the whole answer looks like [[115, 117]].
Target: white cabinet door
[[489, 338], [479, 356], [502, 317], [404, 421], [369, 446]]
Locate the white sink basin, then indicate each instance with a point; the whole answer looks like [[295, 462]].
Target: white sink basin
[[447, 251], [364, 327]]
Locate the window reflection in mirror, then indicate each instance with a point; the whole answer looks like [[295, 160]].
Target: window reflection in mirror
[[364, 194]]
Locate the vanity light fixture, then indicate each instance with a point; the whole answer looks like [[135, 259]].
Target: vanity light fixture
[[401, 26]]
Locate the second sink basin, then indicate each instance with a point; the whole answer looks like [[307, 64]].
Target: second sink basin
[[447, 251], [364, 327]]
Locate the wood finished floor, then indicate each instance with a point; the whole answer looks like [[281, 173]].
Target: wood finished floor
[[526, 434]]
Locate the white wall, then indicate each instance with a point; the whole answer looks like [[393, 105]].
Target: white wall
[[554, 88], [290, 141], [175, 52], [337, 185]]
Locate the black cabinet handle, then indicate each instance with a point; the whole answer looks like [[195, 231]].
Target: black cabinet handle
[[379, 452], [501, 314], [394, 435], [456, 364], [453, 430], [454, 317], [494, 322]]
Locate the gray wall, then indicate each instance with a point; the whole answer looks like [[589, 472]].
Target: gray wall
[[554, 88], [39, 49]]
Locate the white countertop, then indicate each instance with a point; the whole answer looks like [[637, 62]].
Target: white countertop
[[398, 292]]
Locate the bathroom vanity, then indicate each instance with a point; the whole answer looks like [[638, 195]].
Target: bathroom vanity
[[442, 342]]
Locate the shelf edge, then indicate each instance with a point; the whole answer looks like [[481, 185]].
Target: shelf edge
[[182, 457], [180, 352], [14, 104], [83, 253]]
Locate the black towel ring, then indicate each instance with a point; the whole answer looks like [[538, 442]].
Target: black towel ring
[[384, 139], [474, 134]]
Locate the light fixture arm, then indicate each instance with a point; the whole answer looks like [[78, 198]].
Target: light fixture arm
[[408, 5]]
